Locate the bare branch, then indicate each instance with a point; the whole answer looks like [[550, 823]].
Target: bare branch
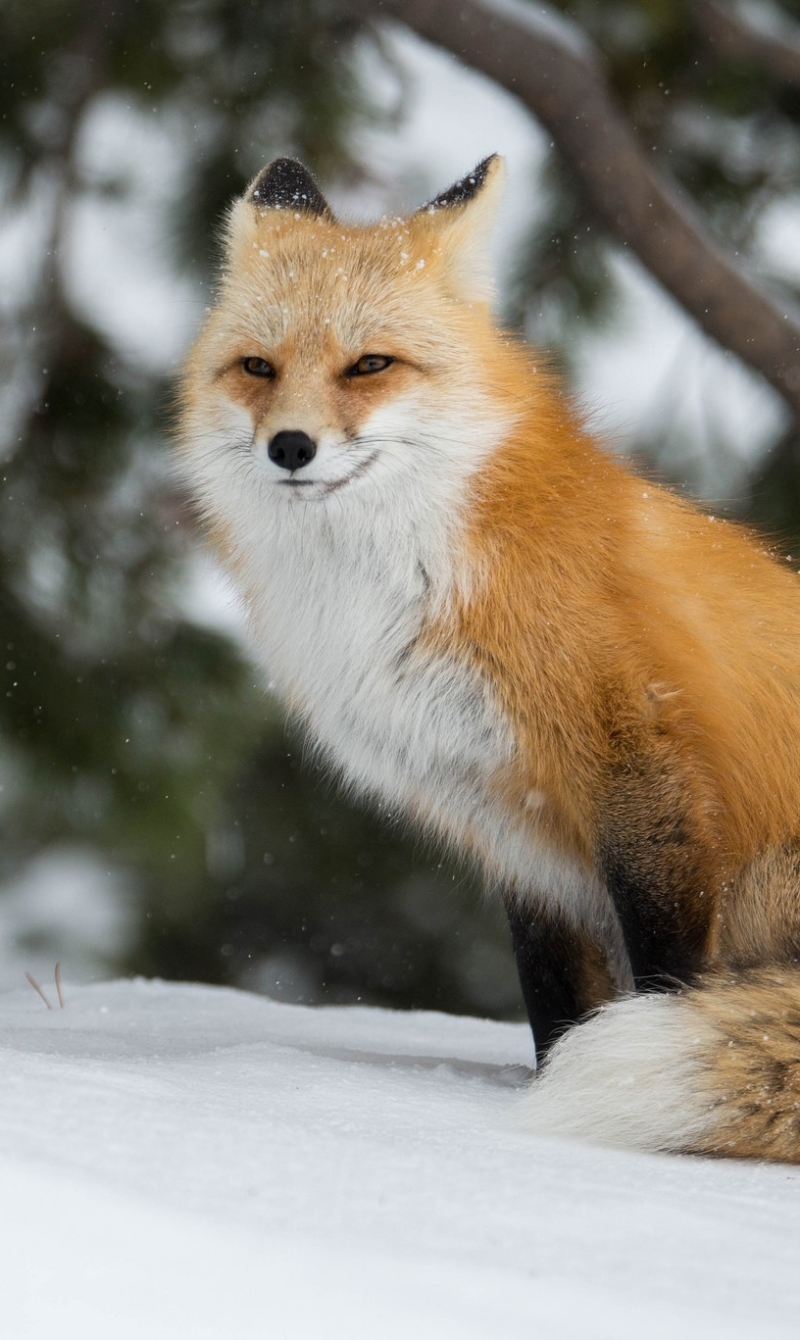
[[550, 64], [774, 44]]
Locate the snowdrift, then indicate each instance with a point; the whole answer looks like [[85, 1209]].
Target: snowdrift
[[186, 1161]]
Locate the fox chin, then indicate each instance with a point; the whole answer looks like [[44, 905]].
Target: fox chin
[[490, 625]]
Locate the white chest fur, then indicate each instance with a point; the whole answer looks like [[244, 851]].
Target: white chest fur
[[339, 606], [337, 625]]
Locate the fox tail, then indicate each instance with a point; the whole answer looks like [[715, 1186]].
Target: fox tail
[[714, 1069]]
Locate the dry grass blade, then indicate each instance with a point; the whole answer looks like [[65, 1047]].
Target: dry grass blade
[[38, 989]]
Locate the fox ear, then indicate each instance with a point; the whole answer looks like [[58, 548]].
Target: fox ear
[[461, 219], [286, 184], [461, 192]]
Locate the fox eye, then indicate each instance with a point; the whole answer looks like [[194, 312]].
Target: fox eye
[[258, 367], [369, 363]]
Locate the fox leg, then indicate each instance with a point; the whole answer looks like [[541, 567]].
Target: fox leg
[[658, 862], [662, 952], [562, 972]]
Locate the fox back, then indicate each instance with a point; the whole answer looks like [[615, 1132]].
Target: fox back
[[492, 627]]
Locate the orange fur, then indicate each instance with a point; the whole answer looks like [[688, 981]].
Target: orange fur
[[654, 623]]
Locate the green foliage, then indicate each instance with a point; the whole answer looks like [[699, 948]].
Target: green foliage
[[562, 276], [338, 907]]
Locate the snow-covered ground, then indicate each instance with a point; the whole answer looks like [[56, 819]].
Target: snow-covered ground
[[180, 1161]]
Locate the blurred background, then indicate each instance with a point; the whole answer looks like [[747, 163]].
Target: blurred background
[[157, 816]]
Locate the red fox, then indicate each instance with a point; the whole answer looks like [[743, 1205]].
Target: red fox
[[491, 626]]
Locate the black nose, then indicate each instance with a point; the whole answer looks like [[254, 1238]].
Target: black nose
[[291, 450]]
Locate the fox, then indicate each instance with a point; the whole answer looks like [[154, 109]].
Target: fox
[[494, 629]]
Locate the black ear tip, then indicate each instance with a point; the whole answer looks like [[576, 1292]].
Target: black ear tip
[[462, 191], [286, 184]]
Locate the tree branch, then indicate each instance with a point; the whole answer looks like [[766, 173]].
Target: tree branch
[[775, 46], [551, 65]]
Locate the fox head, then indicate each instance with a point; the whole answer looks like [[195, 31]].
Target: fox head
[[342, 358]]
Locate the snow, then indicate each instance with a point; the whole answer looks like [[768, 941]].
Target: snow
[[190, 1161], [65, 904]]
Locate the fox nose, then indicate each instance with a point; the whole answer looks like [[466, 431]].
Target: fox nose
[[291, 450]]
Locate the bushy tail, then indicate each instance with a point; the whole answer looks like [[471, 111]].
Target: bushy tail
[[714, 1069]]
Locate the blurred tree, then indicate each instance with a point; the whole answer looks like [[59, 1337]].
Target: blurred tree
[[130, 728]]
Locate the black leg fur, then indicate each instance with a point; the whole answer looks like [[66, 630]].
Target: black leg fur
[[660, 955], [561, 975], [652, 862]]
